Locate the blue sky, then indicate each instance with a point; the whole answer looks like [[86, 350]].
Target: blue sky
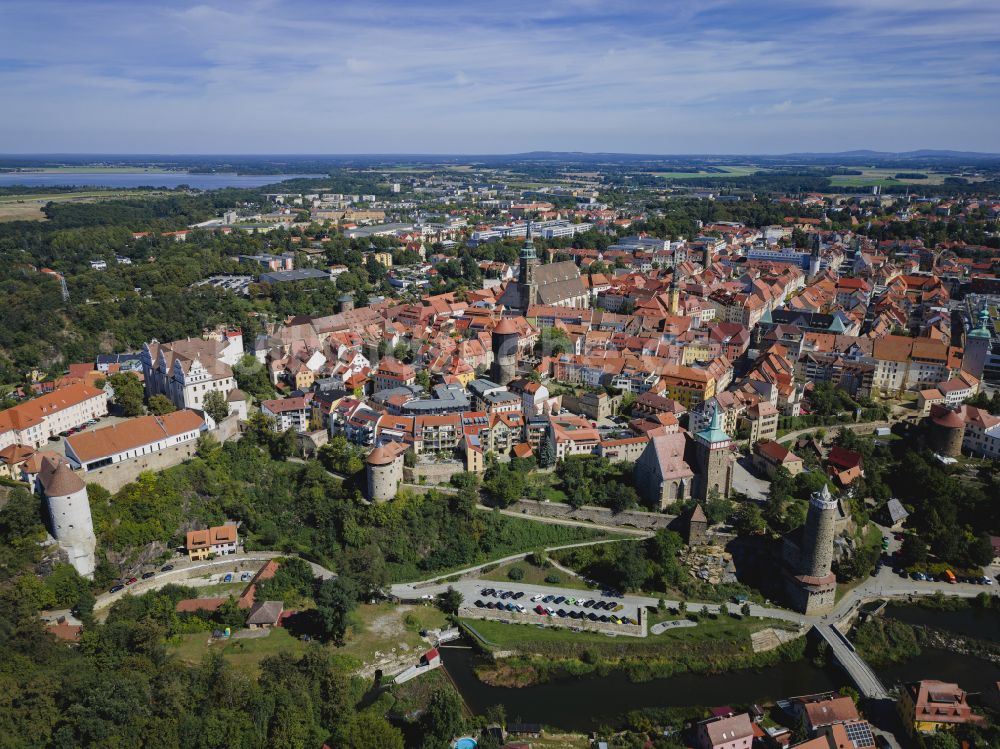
[[674, 76]]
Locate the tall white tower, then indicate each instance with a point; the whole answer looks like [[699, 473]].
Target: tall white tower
[[69, 513]]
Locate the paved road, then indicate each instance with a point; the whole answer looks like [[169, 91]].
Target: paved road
[[637, 532], [409, 590], [832, 429], [185, 569]]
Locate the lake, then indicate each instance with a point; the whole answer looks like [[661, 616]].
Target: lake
[[125, 180]]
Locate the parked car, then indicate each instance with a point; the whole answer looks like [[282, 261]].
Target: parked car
[[540, 610], [147, 575], [228, 578], [536, 598], [519, 595], [116, 588], [131, 580], [558, 599], [479, 604], [548, 599], [166, 568]]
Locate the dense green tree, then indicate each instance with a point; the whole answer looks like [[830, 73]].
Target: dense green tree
[[335, 599], [128, 393], [450, 601], [160, 404], [368, 729], [215, 405], [443, 720]]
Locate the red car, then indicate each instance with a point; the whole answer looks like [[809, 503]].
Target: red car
[[131, 580], [541, 610]]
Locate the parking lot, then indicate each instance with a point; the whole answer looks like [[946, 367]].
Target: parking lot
[[59, 446], [593, 608]]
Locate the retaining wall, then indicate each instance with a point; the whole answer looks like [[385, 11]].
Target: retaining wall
[[635, 518]]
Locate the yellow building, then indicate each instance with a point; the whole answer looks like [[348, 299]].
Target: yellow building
[[697, 351], [688, 385], [385, 258]]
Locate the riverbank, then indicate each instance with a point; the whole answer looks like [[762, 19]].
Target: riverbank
[[523, 655]]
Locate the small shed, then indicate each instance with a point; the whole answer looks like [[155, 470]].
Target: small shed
[[264, 614], [431, 658], [894, 514]]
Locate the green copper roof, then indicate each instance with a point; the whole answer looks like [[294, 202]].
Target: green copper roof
[[715, 432], [837, 326], [983, 331], [528, 248]]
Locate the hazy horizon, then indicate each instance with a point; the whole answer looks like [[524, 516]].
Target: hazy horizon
[[451, 78]]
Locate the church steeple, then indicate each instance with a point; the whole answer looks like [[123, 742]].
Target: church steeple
[[674, 291], [526, 276]]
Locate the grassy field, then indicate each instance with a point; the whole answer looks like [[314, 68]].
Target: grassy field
[[245, 654], [28, 206], [884, 178], [527, 637], [381, 627], [534, 576], [384, 626], [731, 171], [548, 485]]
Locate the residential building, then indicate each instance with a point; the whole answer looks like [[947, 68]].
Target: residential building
[[218, 540], [930, 706], [392, 373], [729, 732], [35, 421], [769, 456], [289, 413], [763, 420]]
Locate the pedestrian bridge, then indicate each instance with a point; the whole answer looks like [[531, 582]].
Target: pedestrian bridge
[[847, 658]]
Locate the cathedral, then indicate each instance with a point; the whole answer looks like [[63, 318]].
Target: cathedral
[[556, 284]]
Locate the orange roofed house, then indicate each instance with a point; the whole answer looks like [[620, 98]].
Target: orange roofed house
[[930, 706], [34, 421], [218, 540], [732, 732]]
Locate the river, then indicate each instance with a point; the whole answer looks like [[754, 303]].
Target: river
[[125, 180], [581, 704]]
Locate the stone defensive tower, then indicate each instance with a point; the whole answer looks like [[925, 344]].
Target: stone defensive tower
[[947, 430], [812, 586], [345, 302], [384, 469], [69, 513], [817, 539], [714, 458], [505, 338]]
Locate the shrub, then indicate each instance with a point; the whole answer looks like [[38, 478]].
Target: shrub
[[554, 578], [515, 573]]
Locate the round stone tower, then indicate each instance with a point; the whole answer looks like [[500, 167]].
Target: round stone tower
[[947, 430], [69, 514], [505, 337], [817, 537], [345, 302], [385, 471]]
